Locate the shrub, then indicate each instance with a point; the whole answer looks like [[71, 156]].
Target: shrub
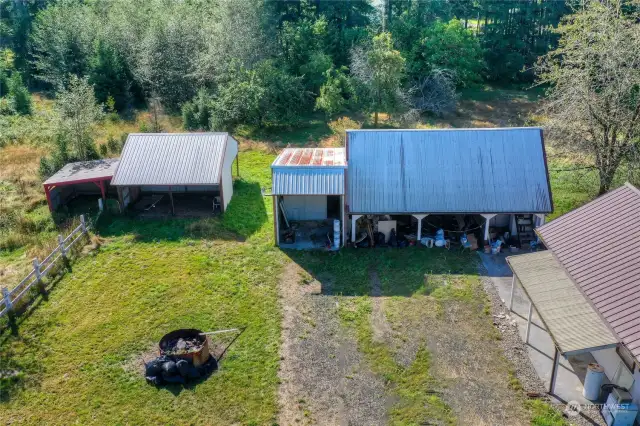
[[103, 150], [196, 114], [340, 126], [4, 84], [46, 169], [20, 94], [113, 145], [6, 106]]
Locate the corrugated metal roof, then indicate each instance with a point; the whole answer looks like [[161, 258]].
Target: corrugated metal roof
[[447, 171], [599, 246], [306, 157], [172, 159], [309, 181], [84, 171], [568, 316]]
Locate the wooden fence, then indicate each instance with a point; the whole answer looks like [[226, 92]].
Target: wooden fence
[[40, 269]]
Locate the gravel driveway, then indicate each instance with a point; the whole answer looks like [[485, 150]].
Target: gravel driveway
[[324, 379]]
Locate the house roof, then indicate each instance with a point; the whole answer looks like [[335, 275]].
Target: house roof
[[567, 315], [599, 246], [309, 171], [447, 171], [172, 159], [84, 171]]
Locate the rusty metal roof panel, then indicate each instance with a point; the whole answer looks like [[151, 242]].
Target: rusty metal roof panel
[[310, 157], [599, 246], [172, 159], [84, 171], [571, 320], [447, 171]]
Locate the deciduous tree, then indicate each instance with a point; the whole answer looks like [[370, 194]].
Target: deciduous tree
[[594, 100]]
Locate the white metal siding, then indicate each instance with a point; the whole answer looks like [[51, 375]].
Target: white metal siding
[[305, 207], [308, 181], [227, 166]]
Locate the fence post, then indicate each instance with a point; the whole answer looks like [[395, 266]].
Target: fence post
[[63, 251], [83, 224], [7, 299], [36, 270]]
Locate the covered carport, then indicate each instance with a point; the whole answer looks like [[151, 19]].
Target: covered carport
[[571, 321], [184, 174], [80, 178]]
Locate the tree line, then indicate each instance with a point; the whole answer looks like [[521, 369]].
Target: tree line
[[267, 63], [224, 62]]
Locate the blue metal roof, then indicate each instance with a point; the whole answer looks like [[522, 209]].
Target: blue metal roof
[[447, 171]]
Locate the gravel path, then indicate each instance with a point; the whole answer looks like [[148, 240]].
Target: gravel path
[[324, 379]]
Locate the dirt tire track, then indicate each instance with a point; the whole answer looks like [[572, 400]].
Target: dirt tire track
[[324, 379]]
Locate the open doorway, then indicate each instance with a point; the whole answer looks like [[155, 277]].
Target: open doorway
[[333, 207]]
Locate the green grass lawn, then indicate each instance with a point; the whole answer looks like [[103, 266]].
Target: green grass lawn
[[77, 351]]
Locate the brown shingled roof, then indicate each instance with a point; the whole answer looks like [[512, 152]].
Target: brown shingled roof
[[599, 246]]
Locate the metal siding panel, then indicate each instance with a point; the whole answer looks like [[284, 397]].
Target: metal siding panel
[[171, 159], [308, 181], [447, 171]]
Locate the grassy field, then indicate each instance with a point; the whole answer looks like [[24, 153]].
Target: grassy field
[[79, 351]]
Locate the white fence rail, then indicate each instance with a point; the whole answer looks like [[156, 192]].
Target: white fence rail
[[40, 269]]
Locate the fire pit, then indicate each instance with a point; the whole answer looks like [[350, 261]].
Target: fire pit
[[187, 344], [184, 356]]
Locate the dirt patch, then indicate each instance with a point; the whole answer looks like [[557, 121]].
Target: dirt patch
[[467, 364], [324, 379], [379, 324]]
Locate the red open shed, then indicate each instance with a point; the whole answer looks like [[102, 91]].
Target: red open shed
[[84, 177]]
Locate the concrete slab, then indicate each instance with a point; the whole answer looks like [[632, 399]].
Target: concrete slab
[[571, 372]]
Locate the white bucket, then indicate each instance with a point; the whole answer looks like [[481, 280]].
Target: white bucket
[[336, 234], [593, 381]]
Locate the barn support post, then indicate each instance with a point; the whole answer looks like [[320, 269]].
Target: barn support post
[[102, 190], [354, 219], [47, 191], [526, 339], [488, 218], [419, 217], [513, 226], [276, 220], [554, 372], [173, 211], [513, 287]]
